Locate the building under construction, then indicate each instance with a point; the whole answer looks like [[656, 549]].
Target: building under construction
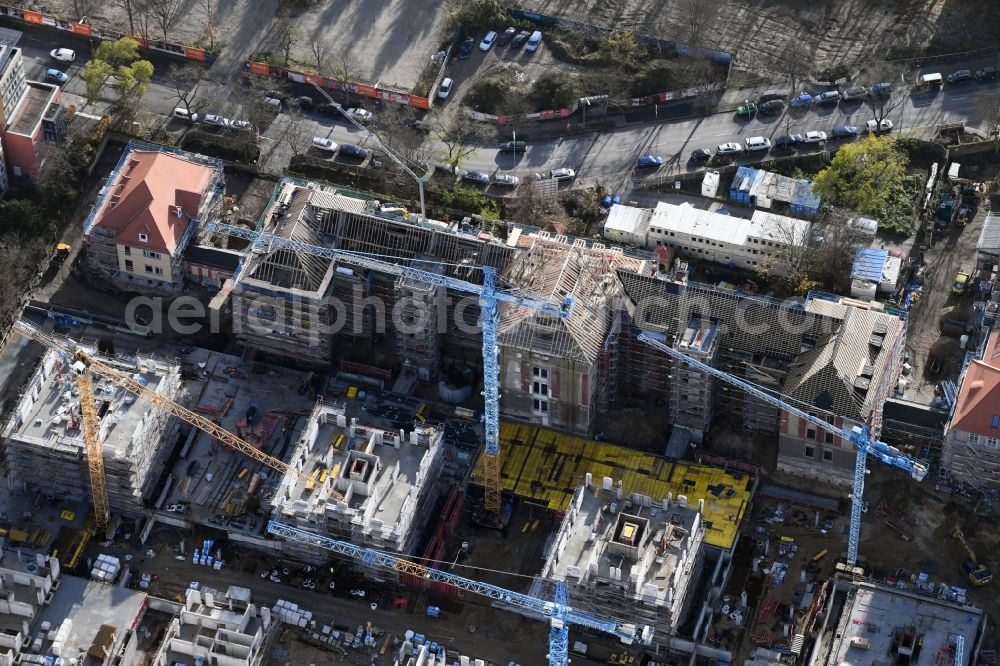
[[359, 483], [45, 448], [557, 371]]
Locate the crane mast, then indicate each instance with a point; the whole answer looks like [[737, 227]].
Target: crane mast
[[490, 298], [858, 435]]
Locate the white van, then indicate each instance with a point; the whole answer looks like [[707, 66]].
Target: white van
[[533, 42], [930, 81], [757, 143]]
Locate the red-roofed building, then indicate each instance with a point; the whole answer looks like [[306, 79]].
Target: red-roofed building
[[147, 213], [972, 438]]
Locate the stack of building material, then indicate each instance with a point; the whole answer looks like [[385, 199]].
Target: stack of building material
[[290, 613], [106, 568]]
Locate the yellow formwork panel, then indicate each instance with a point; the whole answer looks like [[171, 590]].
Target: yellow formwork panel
[[546, 467]]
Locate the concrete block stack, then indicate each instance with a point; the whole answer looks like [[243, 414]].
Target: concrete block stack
[[290, 613], [106, 568]]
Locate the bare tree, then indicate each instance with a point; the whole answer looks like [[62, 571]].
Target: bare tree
[[534, 206], [165, 14], [322, 53], [210, 13], [345, 71], [459, 138], [988, 108], [85, 8], [185, 81], [885, 88], [698, 15], [397, 130], [295, 134], [286, 36], [132, 8], [794, 64], [514, 107], [820, 259]]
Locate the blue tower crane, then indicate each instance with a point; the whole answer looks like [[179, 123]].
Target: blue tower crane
[[489, 299], [857, 434], [558, 611]]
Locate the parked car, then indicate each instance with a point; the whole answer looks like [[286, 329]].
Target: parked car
[[746, 110], [418, 124], [730, 148], [960, 76], [63, 55], [466, 49], [361, 115], [772, 106], [277, 94], [351, 150], [878, 127], [185, 114], [881, 89], [801, 101], [701, 155], [648, 161], [273, 102], [986, 74], [56, 75], [445, 89], [519, 39], [507, 35], [513, 147], [534, 41], [330, 109], [815, 137], [855, 92], [305, 102], [844, 131], [480, 177], [753, 143], [506, 180], [243, 125], [788, 141], [488, 40], [771, 96], [218, 121], [358, 592], [562, 174], [828, 97], [324, 144]]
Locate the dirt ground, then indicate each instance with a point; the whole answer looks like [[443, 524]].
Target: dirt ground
[[830, 31], [924, 335]]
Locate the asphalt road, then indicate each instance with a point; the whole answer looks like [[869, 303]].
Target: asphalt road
[[608, 157]]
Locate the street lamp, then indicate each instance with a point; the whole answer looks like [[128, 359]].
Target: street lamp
[[381, 146]]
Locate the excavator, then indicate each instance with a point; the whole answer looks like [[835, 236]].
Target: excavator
[[979, 574]]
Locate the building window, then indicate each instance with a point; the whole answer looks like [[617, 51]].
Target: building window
[[827, 455], [995, 423], [991, 442], [540, 406], [149, 254], [129, 266], [541, 373], [810, 452], [154, 270], [810, 433], [973, 438], [828, 437], [128, 251], [539, 388], [143, 238]]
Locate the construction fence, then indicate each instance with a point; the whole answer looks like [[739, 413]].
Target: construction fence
[[32, 17], [362, 89]]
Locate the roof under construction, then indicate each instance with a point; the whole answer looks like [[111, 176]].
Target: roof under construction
[[557, 268], [843, 372]]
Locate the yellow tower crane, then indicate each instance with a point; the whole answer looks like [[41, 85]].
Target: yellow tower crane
[[95, 458]]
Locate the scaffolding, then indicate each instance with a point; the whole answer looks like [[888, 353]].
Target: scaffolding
[[417, 316], [692, 391]]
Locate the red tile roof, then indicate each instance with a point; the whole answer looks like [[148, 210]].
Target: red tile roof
[[156, 194], [978, 402]]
